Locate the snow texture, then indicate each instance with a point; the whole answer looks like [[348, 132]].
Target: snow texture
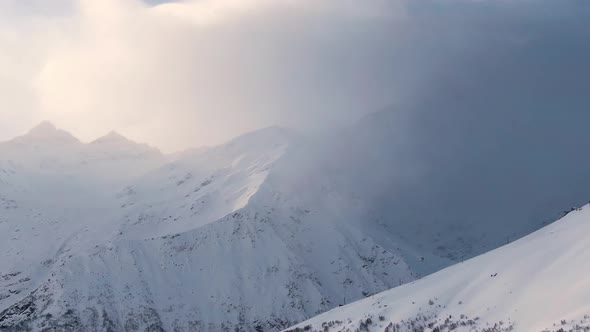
[[534, 284]]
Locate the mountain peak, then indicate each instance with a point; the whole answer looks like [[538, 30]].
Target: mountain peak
[[47, 132], [112, 137], [115, 143], [43, 128]]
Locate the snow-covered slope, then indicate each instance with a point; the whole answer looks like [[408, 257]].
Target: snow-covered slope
[[221, 239], [49, 194], [202, 186], [538, 283], [257, 234]]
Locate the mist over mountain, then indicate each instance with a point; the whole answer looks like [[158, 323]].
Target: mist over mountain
[[386, 166], [315, 220]]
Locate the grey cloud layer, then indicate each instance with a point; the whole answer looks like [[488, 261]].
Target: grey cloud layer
[[196, 73]]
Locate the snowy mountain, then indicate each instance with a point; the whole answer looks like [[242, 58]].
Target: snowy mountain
[[537, 283], [49, 193], [257, 234], [197, 242], [46, 134], [109, 161]]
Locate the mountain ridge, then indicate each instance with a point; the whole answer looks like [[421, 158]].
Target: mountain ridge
[[217, 205], [503, 290], [260, 233], [47, 133]]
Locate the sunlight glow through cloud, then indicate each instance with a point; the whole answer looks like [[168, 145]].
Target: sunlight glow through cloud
[[127, 65], [198, 72]]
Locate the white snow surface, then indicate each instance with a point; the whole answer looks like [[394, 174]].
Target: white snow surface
[[219, 239], [257, 234], [537, 283]]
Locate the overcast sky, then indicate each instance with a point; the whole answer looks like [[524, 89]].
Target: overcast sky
[[199, 72]]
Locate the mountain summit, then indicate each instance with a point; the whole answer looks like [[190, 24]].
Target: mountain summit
[[112, 136], [43, 127], [115, 144], [46, 132]]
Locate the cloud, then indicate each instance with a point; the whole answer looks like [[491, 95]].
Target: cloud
[[187, 73], [202, 71]]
